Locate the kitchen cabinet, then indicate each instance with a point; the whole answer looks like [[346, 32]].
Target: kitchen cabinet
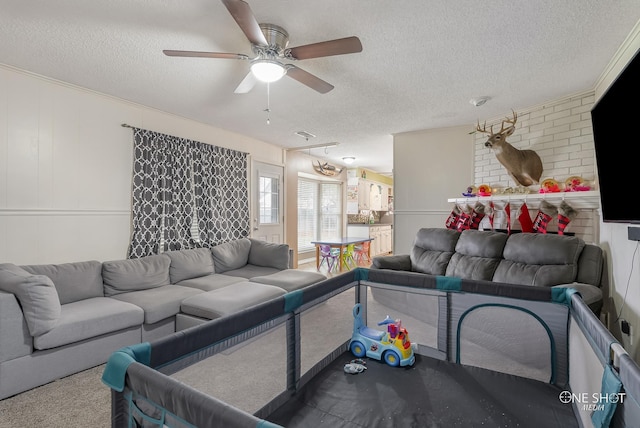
[[382, 235], [363, 194]]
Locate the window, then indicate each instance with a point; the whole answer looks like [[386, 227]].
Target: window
[[319, 212], [268, 197]]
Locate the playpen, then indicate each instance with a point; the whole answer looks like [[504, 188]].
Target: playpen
[[487, 354]]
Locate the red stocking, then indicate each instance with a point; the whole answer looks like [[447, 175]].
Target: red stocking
[[491, 214], [525, 218], [452, 220], [507, 212], [566, 213], [545, 213]]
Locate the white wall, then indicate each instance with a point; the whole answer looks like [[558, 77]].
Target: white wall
[[66, 164], [428, 168]]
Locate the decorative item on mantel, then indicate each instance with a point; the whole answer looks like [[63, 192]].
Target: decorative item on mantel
[[471, 192], [576, 184], [327, 169], [524, 166], [549, 185], [484, 190]]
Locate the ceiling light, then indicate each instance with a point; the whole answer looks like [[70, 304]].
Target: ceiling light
[[267, 70], [479, 101], [348, 160]]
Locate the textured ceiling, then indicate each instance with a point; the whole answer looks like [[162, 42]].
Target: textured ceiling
[[422, 61]]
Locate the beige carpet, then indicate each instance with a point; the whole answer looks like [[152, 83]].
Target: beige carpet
[[79, 400]]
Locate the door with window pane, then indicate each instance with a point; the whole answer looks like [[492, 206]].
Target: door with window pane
[[268, 202], [319, 212]]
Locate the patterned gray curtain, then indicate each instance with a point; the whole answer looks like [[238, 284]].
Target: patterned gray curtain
[[175, 179], [221, 194]]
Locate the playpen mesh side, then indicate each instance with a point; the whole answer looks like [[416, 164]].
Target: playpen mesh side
[[596, 355], [455, 320], [223, 356], [519, 337]]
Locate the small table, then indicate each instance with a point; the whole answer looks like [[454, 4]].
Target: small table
[[342, 244]]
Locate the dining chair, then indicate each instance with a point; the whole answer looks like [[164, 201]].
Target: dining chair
[[348, 256], [362, 252], [329, 255]]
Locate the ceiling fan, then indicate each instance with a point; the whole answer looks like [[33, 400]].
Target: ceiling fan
[[269, 44]]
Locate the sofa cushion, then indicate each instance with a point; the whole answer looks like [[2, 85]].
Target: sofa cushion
[[73, 281], [37, 296], [250, 271], [231, 255], [217, 303], [211, 282], [539, 259], [89, 318], [186, 264], [122, 276], [158, 303], [477, 255], [290, 279], [269, 254], [432, 250]]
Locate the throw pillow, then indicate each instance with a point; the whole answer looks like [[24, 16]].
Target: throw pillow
[[37, 296]]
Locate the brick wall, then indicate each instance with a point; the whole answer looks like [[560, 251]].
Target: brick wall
[[562, 135]]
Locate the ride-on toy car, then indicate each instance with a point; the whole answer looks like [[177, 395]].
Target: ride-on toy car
[[393, 346]]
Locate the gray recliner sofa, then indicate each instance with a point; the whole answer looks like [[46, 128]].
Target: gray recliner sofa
[[534, 259], [59, 319]]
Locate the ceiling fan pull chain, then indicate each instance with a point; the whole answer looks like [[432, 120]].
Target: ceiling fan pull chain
[[268, 109]]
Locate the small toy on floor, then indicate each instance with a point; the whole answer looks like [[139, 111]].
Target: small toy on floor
[[355, 366]]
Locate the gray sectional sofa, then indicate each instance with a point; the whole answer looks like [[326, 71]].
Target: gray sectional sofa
[[59, 319], [532, 259]]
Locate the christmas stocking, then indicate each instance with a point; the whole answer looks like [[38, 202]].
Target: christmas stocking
[[525, 219], [507, 213], [566, 213], [452, 220], [491, 214], [545, 213], [464, 220], [477, 214]]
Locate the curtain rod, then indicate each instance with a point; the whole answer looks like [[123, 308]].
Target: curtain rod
[[124, 125]]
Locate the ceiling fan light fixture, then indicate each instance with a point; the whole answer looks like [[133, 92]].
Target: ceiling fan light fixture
[[348, 160], [267, 70]]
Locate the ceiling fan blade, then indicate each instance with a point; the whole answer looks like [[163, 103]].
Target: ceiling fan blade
[[330, 47], [247, 84], [205, 54], [308, 79], [241, 12]]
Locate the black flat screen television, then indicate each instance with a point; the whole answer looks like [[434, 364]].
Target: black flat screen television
[[617, 140]]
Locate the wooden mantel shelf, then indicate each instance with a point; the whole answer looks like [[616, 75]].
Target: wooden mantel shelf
[[579, 200]]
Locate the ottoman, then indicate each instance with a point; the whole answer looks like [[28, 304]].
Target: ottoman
[[233, 298], [290, 279]]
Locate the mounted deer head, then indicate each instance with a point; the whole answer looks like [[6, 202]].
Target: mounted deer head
[[524, 166]]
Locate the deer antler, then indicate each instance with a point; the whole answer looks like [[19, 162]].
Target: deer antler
[[484, 128], [512, 122]]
